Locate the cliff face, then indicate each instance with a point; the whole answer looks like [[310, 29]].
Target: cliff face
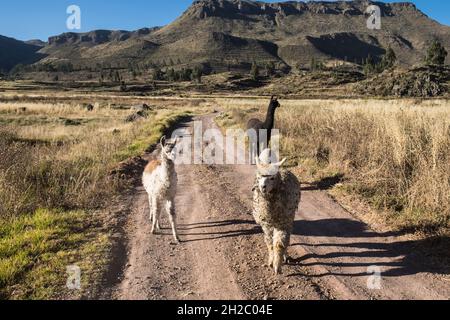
[[225, 34], [324, 30]]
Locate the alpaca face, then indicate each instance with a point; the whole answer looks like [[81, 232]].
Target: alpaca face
[[267, 183], [268, 172]]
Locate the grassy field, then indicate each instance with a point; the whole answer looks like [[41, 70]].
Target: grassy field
[[394, 155], [56, 160], [55, 179]]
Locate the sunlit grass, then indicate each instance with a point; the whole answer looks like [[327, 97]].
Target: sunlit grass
[[54, 174], [394, 153]]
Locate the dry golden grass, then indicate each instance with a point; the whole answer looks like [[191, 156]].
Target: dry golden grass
[[46, 163], [55, 164], [396, 154]]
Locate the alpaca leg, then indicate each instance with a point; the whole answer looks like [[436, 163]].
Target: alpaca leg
[[170, 208], [286, 255], [280, 244], [156, 212], [268, 238]]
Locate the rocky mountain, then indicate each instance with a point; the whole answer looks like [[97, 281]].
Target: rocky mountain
[[231, 34]]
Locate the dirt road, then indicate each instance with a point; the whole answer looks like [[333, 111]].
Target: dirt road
[[223, 256]]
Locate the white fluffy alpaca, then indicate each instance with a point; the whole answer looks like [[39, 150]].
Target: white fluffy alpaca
[[160, 182], [276, 195]]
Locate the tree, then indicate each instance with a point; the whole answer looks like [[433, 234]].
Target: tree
[[123, 86], [254, 72], [369, 65], [436, 54], [197, 74], [389, 59], [313, 64], [170, 75], [185, 74], [270, 68], [316, 65], [66, 67], [157, 74], [117, 77]]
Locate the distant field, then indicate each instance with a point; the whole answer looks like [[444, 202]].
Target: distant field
[[55, 164], [393, 154]]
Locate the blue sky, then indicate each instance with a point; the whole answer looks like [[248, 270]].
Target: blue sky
[[39, 19]]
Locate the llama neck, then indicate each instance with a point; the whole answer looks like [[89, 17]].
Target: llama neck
[[167, 164], [270, 118]]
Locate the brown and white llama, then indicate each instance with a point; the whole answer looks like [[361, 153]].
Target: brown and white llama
[[160, 182]]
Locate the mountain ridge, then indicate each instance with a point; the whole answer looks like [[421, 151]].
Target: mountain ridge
[[232, 34]]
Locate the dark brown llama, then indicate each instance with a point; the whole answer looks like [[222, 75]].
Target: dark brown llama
[[267, 125]]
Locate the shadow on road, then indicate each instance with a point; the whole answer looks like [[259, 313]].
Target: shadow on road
[[324, 184], [368, 248], [234, 229]]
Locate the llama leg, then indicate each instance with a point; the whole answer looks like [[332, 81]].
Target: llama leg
[[156, 211], [280, 244], [152, 213], [150, 205], [268, 238], [170, 208]]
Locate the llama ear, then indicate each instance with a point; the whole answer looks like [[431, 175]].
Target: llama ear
[[163, 141], [280, 164], [273, 98], [257, 161]]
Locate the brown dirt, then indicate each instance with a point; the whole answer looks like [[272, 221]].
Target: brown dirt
[[223, 256]]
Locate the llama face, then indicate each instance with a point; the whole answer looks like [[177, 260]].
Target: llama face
[[168, 151], [274, 103]]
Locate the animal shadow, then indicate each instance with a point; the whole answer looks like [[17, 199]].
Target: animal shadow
[[361, 247]]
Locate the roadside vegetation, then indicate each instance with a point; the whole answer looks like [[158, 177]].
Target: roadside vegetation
[[55, 178], [394, 155]]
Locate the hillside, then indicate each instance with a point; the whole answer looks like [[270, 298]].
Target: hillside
[[223, 35], [13, 52]]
